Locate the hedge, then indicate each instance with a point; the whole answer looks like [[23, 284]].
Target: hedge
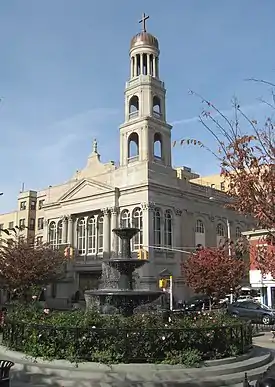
[[143, 338]]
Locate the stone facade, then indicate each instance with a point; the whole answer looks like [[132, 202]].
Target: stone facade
[[144, 191]]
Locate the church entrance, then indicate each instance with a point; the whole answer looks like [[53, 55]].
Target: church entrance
[[88, 281]]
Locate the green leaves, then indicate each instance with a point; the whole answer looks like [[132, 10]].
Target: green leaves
[[143, 338]]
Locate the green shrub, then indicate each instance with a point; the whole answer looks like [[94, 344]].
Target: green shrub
[[89, 336]]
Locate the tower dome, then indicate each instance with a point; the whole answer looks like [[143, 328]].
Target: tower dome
[[143, 38]]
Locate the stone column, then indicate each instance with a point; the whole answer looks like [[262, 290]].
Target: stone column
[[106, 231], [70, 231], [141, 64], [64, 229], [154, 66], [148, 233], [177, 229], [114, 224], [46, 231]]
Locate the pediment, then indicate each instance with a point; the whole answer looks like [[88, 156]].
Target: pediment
[[86, 188]]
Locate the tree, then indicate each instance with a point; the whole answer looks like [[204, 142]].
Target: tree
[[213, 272], [23, 265], [246, 153]]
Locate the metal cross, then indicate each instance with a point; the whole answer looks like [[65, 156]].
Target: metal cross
[[143, 21]]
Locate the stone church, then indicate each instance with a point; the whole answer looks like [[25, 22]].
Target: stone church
[[173, 213]]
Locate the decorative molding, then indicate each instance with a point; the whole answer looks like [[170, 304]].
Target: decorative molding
[[148, 206], [105, 211], [70, 218], [178, 212], [114, 210], [64, 218]]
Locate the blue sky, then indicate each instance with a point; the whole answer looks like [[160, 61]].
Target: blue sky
[[64, 64]]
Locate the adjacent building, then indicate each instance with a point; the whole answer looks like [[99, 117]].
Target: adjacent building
[[173, 214], [264, 284]]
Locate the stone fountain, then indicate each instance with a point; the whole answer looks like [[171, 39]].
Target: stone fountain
[[124, 298]]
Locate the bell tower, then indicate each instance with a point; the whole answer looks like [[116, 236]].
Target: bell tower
[[145, 134]]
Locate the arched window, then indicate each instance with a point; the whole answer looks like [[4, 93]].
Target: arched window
[[157, 146], [157, 227], [220, 230], [156, 107], [125, 219], [100, 234], [199, 233], [238, 232], [133, 145], [59, 233], [81, 236], [52, 234], [199, 227], [137, 222], [168, 228], [133, 106], [92, 235]]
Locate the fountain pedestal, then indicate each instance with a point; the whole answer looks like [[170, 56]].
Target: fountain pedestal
[[124, 299]]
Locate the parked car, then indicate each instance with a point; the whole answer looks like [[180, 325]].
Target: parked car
[[254, 311], [198, 302], [245, 298]]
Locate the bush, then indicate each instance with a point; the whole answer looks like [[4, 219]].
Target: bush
[[89, 336]]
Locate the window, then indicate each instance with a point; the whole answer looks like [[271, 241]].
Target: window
[[11, 225], [81, 236], [220, 230], [222, 186], [125, 219], [39, 240], [133, 107], [32, 224], [40, 204], [9, 242], [238, 232], [133, 145], [168, 228], [52, 234], [33, 205], [59, 233], [92, 235], [1, 226], [199, 227], [23, 205], [22, 223], [100, 234], [137, 223], [157, 227], [157, 146], [40, 223]]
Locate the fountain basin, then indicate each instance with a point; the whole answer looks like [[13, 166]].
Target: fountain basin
[[125, 301], [126, 264]]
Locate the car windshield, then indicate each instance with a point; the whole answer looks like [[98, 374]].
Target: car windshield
[[264, 307]]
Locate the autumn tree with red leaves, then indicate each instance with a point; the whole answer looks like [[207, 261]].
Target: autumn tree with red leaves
[[213, 272], [246, 154], [23, 265]]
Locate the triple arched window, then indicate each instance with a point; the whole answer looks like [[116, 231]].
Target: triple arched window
[[133, 219], [163, 228], [90, 235], [55, 234]]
